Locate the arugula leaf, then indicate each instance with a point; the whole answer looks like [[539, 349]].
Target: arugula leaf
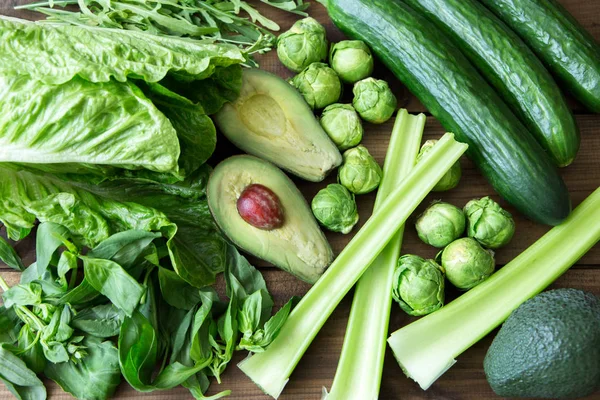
[[9, 256], [110, 279], [95, 54], [95, 377], [19, 380], [102, 321], [177, 292]]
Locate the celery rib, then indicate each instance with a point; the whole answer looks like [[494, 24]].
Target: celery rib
[[271, 369], [359, 371], [428, 347]]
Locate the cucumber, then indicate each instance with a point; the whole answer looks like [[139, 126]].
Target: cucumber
[[436, 71], [512, 68], [568, 50]]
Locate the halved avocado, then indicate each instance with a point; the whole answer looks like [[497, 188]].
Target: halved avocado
[[296, 244], [271, 120]]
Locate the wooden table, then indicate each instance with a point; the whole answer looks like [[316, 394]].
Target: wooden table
[[464, 381]]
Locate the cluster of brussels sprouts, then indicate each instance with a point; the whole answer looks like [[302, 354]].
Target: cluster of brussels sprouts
[[303, 49], [464, 261]]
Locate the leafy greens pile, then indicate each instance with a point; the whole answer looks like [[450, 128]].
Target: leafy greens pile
[[103, 140], [217, 20]]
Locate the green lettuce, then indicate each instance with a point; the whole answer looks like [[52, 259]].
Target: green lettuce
[[92, 213], [62, 52]]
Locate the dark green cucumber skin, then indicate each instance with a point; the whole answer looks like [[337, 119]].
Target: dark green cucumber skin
[[512, 68], [435, 70], [568, 50]]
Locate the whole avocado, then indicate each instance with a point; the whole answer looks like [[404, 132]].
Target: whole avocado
[[548, 348]]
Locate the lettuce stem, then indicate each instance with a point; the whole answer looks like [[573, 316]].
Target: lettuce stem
[[271, 369], [428, 347], [359, 371]]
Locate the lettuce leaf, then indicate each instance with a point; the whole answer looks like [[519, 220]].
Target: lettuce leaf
[[83, 127], [62, 52]]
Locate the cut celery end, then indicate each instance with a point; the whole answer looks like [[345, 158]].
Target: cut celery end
[[271, 369], [361, 363], [426, 348]]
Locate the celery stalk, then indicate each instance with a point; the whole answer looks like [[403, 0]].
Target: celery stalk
[[428, 347], [359, 371], [271, 369]]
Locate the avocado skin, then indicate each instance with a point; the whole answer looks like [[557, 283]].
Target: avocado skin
[[548, 348]]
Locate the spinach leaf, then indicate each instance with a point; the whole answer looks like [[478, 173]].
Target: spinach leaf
[[49, 238], [95, 377], [177, 292], [19, 380], [9, 256], [31, 351], [110, 279], [102, 321], [124, 248]]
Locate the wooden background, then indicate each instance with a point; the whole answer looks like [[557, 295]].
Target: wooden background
[[464, 381]]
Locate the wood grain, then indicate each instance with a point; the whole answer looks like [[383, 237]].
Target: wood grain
[[465, 381]]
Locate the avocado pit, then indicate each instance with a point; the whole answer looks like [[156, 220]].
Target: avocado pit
[[260, 207]]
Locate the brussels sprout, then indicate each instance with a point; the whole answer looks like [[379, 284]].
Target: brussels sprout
[[343, 125], [373, 100], [488, 223], [352, 60], [359, 172], [335, 208], [466, 263], [418, 285], [302, 45], [440, 224], [451, 179], [319, 85]]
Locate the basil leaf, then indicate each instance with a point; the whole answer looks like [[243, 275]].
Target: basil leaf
[[19, 380], [9, 256], [255, 310], [10, 324], [81, 294], [177, 292], [241, 277], [101, 321], [110, 279], [95, 377], [32, 354], [29, 294], [49, 237], [124, 248]]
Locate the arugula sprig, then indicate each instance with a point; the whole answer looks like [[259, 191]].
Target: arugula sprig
[[229, 21]]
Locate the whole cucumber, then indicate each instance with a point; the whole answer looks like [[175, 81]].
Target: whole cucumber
[[512, 68], [436, 71], [568, 50]]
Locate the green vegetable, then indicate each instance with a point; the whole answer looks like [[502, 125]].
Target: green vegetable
[[373, 100], [361, 362], [448, 181], [528, 88], [217, 21], [91, 53], [9, 256], [359, 172], [488, 223], [466, 263], [271, 369], [419, 54], [335, 208], [427, 348], [418, 285], [319, 85], [303, 44], [18, 379], [343, 125], [558, 39], [352, 60], [440, 224], [549, 347]]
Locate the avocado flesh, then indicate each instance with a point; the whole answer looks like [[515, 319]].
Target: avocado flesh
[[298, 246], [271, 120], [548, 348]]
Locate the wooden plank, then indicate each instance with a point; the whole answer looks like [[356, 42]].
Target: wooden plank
[[464, 381]]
